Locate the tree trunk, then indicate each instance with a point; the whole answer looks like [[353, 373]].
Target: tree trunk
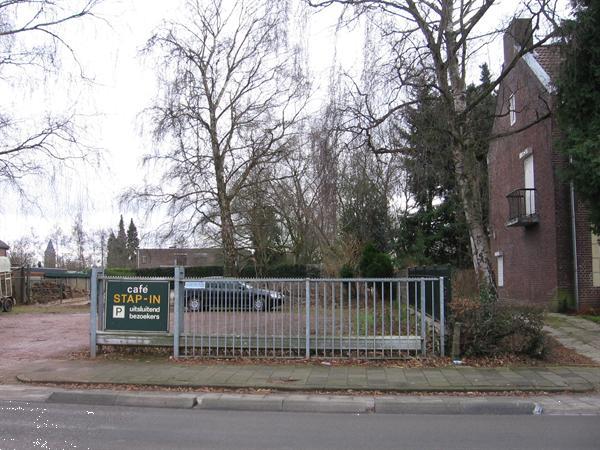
[[480, 246], [465, 172], [230, 257]]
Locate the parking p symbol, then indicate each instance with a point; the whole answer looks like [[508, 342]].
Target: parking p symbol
[[118, 312]]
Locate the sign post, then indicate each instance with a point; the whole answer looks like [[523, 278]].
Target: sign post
[[137, 306]]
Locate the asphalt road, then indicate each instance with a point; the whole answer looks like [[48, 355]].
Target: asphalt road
[[56, 426]]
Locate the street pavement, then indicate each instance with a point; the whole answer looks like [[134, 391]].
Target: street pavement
[[26, 425]]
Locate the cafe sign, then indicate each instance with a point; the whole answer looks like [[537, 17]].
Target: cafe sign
[[137, 306]]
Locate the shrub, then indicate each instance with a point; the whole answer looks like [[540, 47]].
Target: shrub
[[119, 272], [375, 264], [347, 271], [491, 328], [194, 272]]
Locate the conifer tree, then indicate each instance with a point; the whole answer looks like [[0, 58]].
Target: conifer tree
[[133, 244], [579, 105]]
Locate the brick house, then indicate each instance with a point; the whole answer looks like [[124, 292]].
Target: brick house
[[187, 257], [544, 250], [3, 248]]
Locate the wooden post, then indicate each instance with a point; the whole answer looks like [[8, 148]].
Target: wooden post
[[456, 341]]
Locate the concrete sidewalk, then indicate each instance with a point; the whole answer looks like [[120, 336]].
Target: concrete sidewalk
[[576, 333], [306, 378]]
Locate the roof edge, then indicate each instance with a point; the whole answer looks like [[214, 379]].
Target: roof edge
[[539, 72]]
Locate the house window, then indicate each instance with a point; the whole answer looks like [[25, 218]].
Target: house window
[[144, 259], [529, 185], [512, 109], [500, 271], [595, 260]]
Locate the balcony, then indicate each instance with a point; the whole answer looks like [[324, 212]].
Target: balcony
[[521, 208]]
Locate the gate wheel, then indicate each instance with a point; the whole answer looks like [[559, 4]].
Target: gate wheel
[[7, 304], [259, 304]]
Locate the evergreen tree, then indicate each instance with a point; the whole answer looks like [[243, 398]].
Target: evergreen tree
[[111, 251], [579, 105], [364, 204], [121, 245], [117, 255], [133, 244], [437, 233]]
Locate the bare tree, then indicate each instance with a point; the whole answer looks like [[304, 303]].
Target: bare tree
[[231, 92], [80, 240], [25, 250], [434, 41], [30, 40]]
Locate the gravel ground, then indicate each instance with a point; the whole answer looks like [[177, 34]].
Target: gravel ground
[[36, 336]]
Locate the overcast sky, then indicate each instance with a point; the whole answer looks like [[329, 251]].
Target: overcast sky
[[123, 85]]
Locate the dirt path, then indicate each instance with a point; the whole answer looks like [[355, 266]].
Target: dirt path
[[31, 337]]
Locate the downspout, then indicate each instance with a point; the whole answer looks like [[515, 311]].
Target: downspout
[[574, 241]]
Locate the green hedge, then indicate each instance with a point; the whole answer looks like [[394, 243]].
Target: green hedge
[[283, 271], [119, 272], [195, 272], [279, 271]]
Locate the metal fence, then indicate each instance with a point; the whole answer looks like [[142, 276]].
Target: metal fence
[[294, 318]]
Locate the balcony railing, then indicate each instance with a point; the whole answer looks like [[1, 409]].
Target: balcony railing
[[521, 208]]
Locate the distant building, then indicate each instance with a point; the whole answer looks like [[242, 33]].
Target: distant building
[[545, 252], [3, 248], [186, 257], [50, 256]]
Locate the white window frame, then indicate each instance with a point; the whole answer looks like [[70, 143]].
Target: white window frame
[[529, 183], [512, 109], [500, 271]]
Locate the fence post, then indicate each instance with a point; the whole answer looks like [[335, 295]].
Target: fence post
[[96, 274], [442, 320], [177, 308], [307, 343], [423, 321]]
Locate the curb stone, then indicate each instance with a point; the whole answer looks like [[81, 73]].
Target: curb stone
[[300, 403], [113, 399], [555, 405]]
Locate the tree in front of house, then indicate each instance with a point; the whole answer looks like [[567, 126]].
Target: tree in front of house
[[437, 41], [433, 230], [579, 105]]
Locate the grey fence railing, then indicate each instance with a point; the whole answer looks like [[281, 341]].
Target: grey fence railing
[[292, 318]]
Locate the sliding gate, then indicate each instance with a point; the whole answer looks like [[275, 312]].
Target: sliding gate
[[291, 318]]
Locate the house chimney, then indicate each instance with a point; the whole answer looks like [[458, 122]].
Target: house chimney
[[519, 34]]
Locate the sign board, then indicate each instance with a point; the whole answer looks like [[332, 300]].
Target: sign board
[[195, 285], [137, 306]]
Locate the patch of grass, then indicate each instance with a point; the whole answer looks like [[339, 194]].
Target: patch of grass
[[52, 309], [592, 318], [553, 321]]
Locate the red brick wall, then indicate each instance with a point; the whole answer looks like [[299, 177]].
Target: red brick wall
[[589, 296], [538, 260], [530, 254]]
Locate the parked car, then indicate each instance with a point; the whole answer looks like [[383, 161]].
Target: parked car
[[229, 294]]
